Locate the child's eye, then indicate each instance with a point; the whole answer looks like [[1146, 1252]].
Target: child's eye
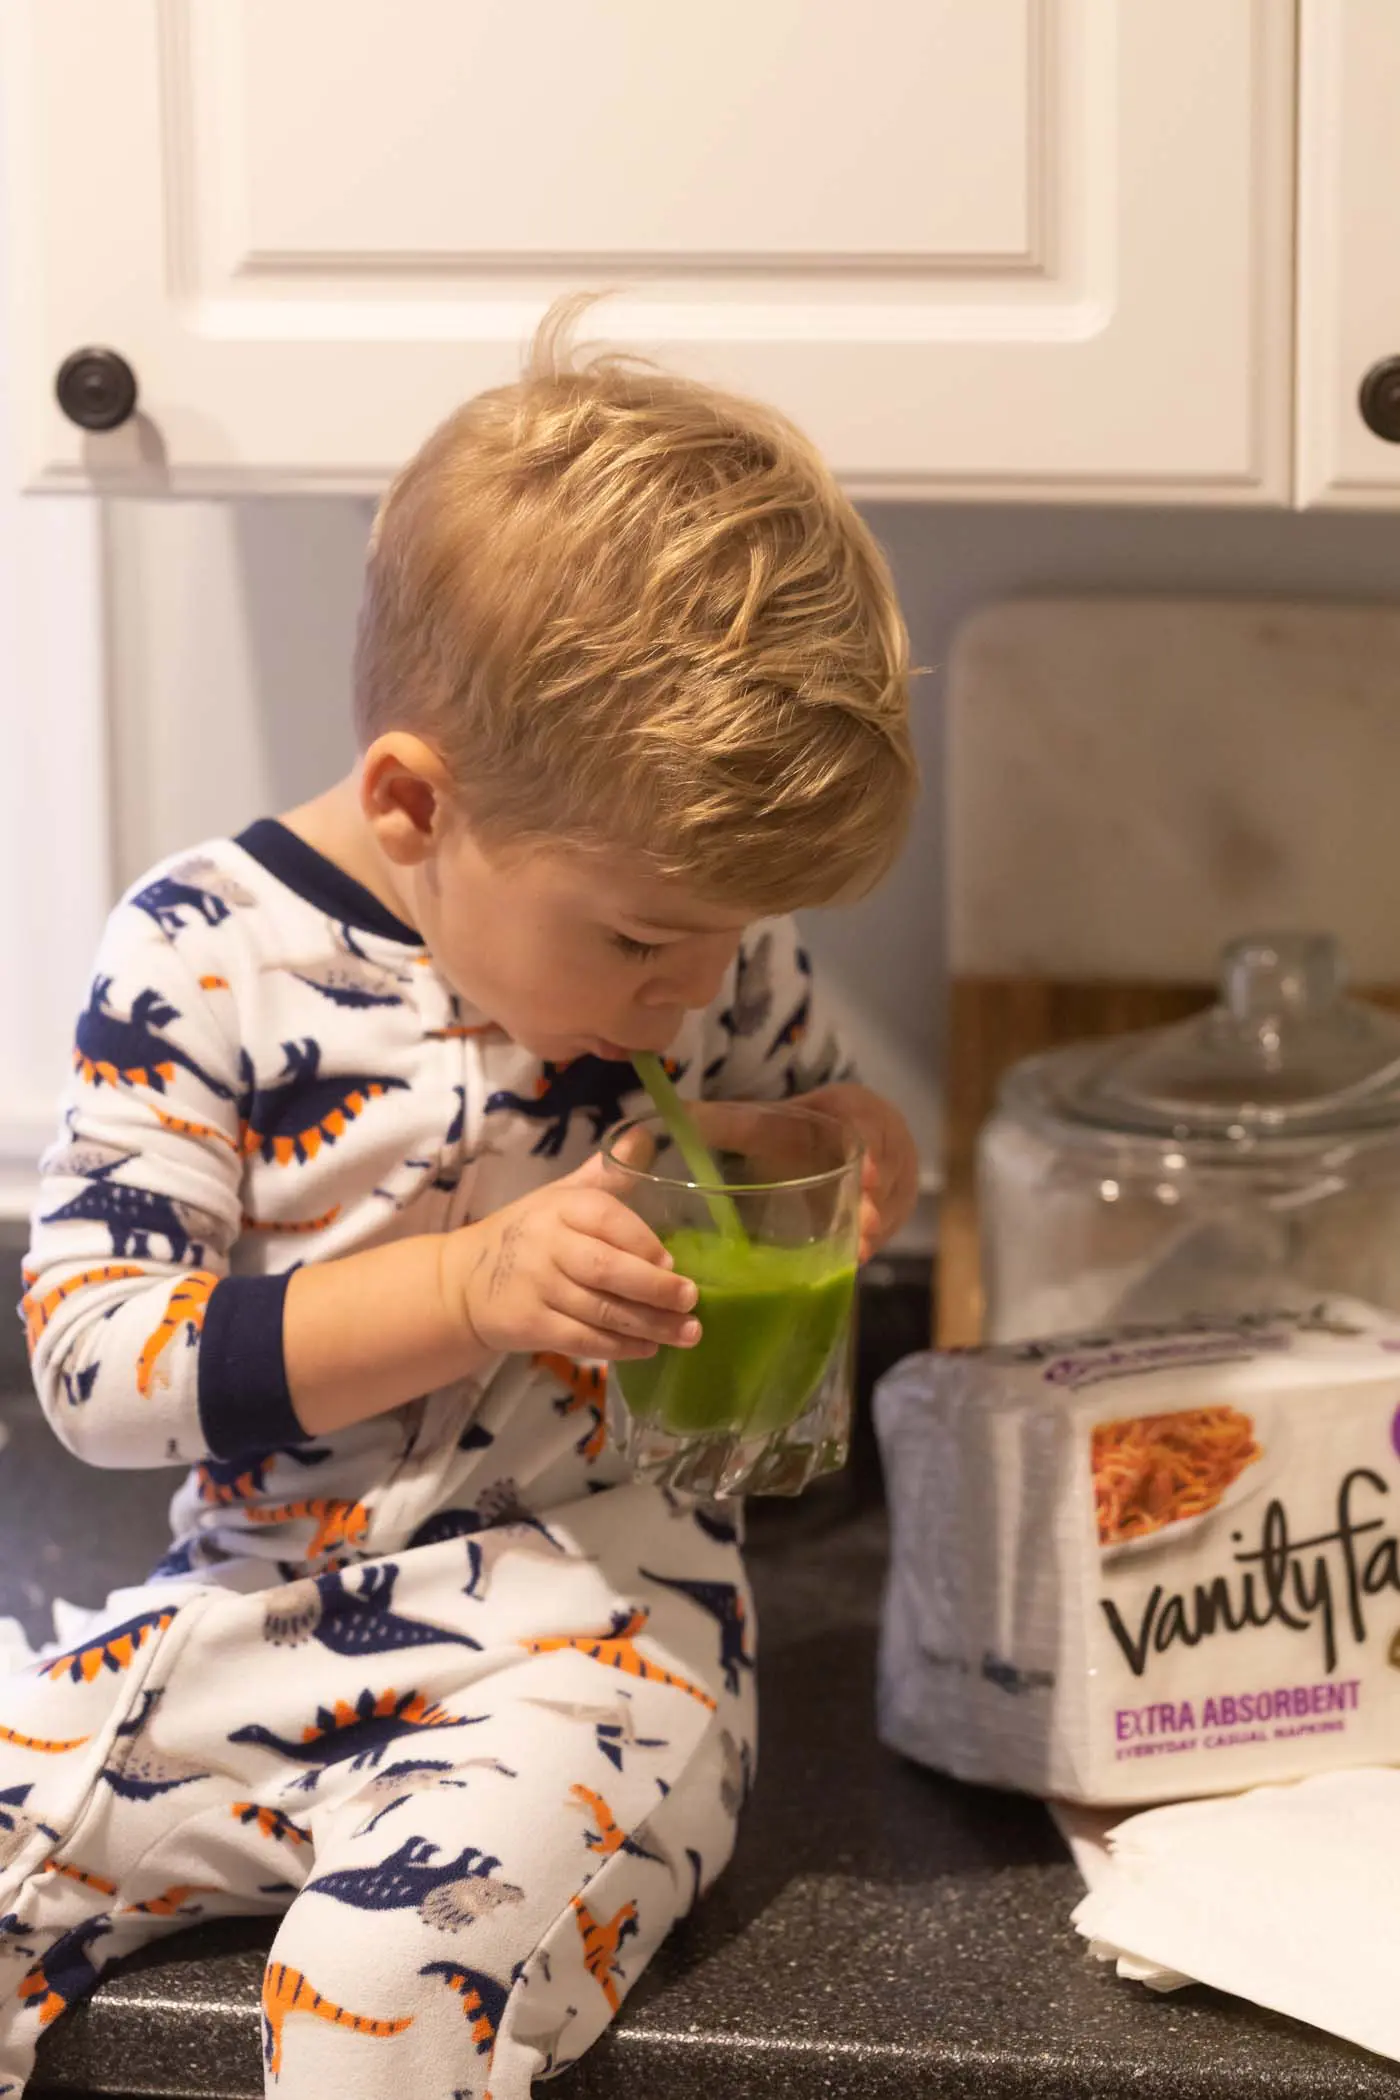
[[640, 951]]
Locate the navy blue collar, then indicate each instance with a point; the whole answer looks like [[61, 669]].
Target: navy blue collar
[[321, 882]]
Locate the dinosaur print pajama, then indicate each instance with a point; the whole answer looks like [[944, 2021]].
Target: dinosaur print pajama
[[463, 1703]]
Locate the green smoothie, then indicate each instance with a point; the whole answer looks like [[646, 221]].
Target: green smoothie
[[771, 1318]]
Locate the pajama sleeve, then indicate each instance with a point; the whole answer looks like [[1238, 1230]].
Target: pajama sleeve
[[770, 1035], [145, 1352]]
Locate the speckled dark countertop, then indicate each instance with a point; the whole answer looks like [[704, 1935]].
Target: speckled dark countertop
[[882, 1934]]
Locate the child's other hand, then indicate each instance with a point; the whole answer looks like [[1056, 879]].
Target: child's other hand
[[890, 1178], [568, 1268]]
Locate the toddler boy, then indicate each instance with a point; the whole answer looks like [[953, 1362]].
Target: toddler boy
[[424, 1670]]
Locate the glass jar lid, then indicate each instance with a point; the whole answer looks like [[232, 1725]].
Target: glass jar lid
[[1284, 1054]]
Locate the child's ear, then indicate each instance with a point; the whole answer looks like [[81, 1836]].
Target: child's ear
[[405, 793]]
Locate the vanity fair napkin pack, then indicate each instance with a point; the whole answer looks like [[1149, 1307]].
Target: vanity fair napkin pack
[[1149, 1564]]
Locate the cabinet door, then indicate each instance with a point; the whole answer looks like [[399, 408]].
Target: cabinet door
[[975, 246], [1349, 251]]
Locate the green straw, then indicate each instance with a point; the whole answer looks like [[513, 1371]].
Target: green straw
[[691, 1146]]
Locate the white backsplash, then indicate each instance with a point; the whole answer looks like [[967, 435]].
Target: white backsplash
[[1132, 782]]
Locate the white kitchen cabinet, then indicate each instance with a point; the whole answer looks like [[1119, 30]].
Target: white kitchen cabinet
[[1349, 254], [977, 247]]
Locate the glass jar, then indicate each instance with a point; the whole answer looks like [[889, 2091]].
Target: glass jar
[[1243, 1159], [762, 1403]]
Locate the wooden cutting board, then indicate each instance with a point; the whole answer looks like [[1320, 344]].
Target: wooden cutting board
[[1132, 782]]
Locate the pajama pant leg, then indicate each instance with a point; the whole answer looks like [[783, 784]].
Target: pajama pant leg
[[468, 1929], [106, 1840], [482, 1777]]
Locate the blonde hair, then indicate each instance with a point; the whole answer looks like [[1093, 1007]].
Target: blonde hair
[[633, 612]]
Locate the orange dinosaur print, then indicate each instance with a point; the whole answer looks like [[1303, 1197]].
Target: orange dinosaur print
[[337, 1523], [286, 1991], [483, 2003], [181, 1126], [586, 1386], [273, 1823], [327, 1217], [213, 984], [49, 1745], [172, 1901], [617, 1649], [225, 1493], [185, 1308], [601, 1944], [80, 1874], [66, 1972], [609, 1836], [291, 1119], [38, 1311], [359, 1730], [415, 1709], [115, 1650]]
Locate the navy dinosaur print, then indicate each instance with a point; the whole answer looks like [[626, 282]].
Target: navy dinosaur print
[[178, 1561], [196, 888], [305, 1108], [232, 1480], [483, 1999], [447, 1893], [13, 1933], [78, 1385], [352, 1622], [130, 1050], [587, 1086], [357, 1732], [11, 1798], [66, 1973], [114, 1650], [133, 1217], [724, 1603], [445, 1524]]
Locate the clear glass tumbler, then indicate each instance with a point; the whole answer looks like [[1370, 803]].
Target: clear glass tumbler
[[762, 1403]]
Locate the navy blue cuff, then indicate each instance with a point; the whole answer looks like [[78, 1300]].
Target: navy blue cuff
[[244, 1401]]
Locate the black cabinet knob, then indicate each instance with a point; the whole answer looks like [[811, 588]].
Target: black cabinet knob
[[1380, 399], [96, 389]]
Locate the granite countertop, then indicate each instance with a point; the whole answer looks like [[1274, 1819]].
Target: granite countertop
[[883, 1934]]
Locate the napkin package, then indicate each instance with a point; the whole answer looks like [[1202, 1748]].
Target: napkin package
[[1149, 1564]]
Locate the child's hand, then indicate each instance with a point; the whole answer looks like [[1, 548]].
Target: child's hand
[[890, 1179], [568, 1268]]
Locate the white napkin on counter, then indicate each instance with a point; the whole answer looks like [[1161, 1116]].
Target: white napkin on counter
[[1287, 1895]]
